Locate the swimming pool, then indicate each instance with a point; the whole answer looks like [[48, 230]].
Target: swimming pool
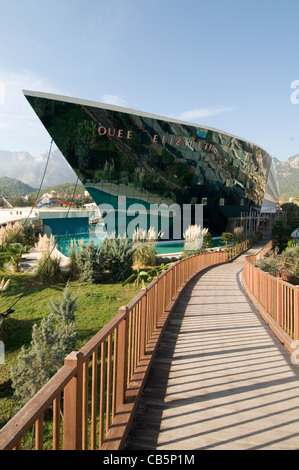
[[64, 243]]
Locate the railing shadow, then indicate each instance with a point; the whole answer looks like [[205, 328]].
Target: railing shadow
[[265, 384], [159, 374]]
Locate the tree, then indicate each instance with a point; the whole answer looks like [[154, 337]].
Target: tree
[[64, 311], [207, 241], [14, 253], [226, 237], [292, 211], [65, 308], [281, 232], [52, 340], [38, 363]]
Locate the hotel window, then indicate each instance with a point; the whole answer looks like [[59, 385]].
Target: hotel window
[[242, 202], [221, 201]]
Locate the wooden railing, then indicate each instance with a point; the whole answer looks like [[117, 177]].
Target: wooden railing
[[91, 401], [276, 300]]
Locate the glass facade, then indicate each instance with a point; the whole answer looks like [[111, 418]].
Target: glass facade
[[153, 160]]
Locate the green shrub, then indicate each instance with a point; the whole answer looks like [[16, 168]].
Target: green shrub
[[122, 260], [13, 255], [73, 268], [207, 240], [145, 254], [106, 252], [292, 251], [141, 278], [188, 253], [52, 340], [65, 308], [90, 263], [292, 213], [281, 231], [226, 237], [49, 269], [117, 255], [29, 236], [291, 243], [270, 265]]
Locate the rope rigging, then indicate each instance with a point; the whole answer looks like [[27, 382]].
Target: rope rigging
[[37, 197], [11, 310]]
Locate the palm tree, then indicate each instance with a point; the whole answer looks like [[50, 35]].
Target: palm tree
[[13, 253]]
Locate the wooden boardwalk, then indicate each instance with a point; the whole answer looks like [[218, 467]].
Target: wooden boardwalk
[[220, 379]]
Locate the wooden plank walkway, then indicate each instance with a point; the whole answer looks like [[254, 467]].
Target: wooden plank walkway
[[220, 379]]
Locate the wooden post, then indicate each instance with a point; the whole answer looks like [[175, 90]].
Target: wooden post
[[156, 303], [170, 274], [296, 313], [85, 407], [268, 292], [94, 391], [164, 293], [143, 321], [279, 302], [121, 360], [56, 423], [72, 410], [102, 393], [175, 278], [180, 273], [39, 433]]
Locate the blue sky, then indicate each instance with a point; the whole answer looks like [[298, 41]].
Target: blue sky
[[227, 64]]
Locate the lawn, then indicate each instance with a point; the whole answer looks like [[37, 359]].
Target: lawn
[[97, 304]]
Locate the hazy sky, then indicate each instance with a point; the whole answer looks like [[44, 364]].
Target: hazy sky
[[227, 64]]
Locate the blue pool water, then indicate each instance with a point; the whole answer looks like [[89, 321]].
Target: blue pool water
[[162, 248]]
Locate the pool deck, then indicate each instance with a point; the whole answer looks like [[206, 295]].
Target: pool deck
[[30, 260]]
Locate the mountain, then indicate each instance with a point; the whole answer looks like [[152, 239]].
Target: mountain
[[14, 187], [288, 176], [63, 188], [30, 170]]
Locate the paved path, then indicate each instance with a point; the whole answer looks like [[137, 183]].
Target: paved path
[[221, 379]]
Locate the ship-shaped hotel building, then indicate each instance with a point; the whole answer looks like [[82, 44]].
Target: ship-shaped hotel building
[[137, 158]]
